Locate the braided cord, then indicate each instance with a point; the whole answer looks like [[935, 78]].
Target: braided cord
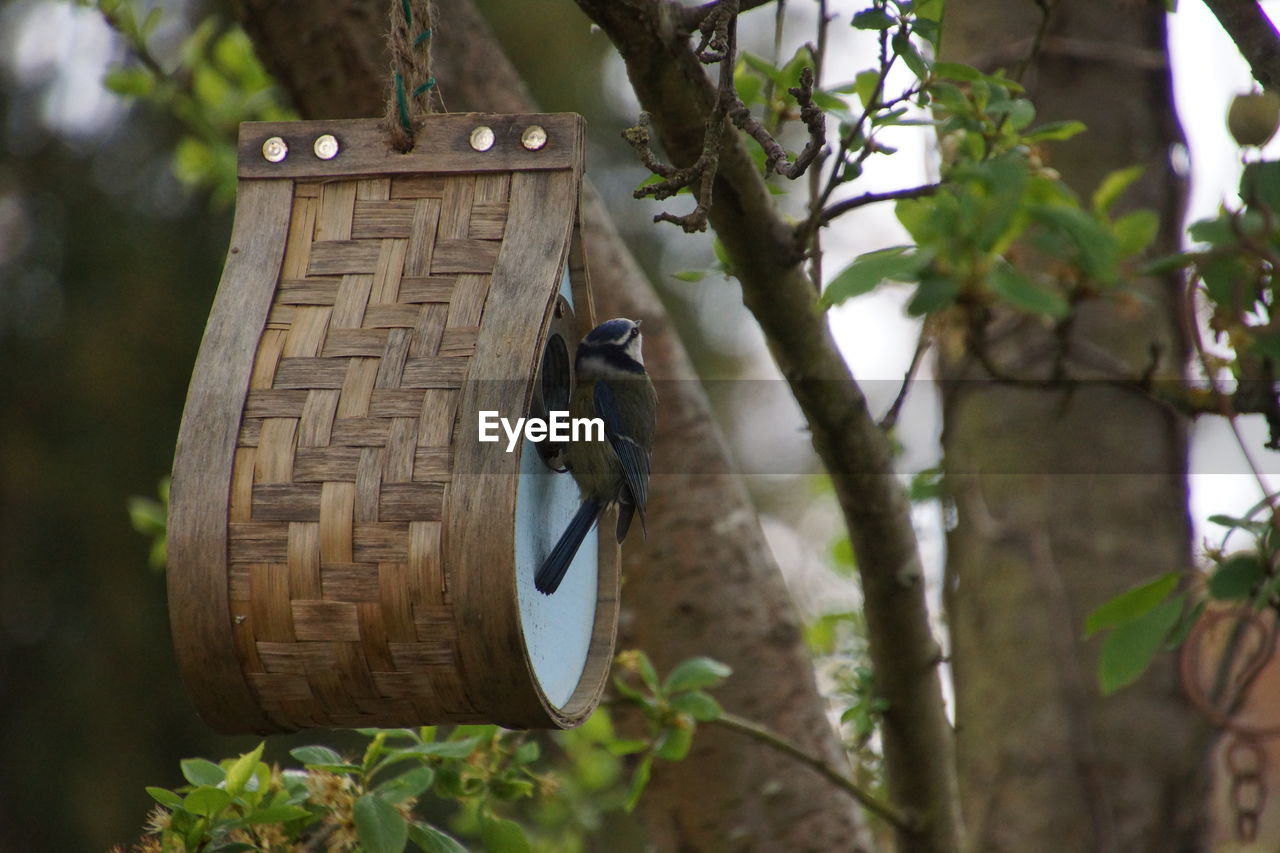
[[411, 80]]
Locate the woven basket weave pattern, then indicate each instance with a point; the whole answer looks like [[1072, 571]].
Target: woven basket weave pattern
[[339, 593]]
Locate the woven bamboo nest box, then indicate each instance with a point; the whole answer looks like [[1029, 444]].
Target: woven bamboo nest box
[[343, 551]]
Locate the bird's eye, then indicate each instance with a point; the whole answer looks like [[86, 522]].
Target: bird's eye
[[635, 331]]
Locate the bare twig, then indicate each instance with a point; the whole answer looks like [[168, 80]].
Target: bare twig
[[849, 204], [890, 419], [776, 156], [869, 801]]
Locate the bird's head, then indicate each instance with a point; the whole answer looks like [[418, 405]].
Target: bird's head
[[613, 345]]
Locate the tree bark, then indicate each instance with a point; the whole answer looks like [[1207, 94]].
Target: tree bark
[[1065, 499], [704, 581]]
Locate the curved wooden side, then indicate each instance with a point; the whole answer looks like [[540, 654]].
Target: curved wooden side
[[482, 515], [604, 631], [197, 574]]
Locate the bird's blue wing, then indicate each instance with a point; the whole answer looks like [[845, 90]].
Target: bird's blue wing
[[634, 457]]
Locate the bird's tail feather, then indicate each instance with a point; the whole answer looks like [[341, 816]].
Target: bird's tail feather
[[552, 570]]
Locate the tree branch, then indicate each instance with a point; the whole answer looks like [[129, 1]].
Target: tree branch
[[1255, 37], [919, 754], [842, 207], [691, 17], [869, 801], [719, 44]]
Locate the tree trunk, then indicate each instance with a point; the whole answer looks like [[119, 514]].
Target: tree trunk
[[1063, 499], [704, 582]]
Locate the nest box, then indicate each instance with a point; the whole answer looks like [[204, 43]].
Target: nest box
[[343, 551]]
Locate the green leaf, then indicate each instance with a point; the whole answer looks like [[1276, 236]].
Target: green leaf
[[1186, 622], [206, 801], [1022, 293], [626, 747], [1135, 231], [433, 840], [1232, 521], [934, 293], [1021, 113], [1237, 577], [926, 485], [869, 270], [503, 836], [695, 674], [282, 813], [411, 783], [764, 67], [698, 705], [165, 797], [1261, 182], [648, 674], [313, 755], [1128, 650], [528, 752], [674, 743], [872, 19], [1130, 604], [200, 771], [392, 734], [903, 47], [956, 71], [239, 773], [379, 825], [130, 82], [865, 84], [1055, 131], [1112, 186], [1216, 232], [1094, 244], [638, 782], [1168, 264], [689, 275], [446, 748], [150, 22]]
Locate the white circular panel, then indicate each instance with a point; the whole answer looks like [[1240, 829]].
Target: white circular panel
[[557, 628]]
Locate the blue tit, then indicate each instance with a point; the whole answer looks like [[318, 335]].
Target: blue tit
[[612, 385]]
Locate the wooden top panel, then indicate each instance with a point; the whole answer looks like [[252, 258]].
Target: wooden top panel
[[442, 145]]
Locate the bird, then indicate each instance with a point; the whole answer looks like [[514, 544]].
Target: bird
[[611, 384]]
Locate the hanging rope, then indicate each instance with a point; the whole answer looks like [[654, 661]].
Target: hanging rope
[[411, 80]]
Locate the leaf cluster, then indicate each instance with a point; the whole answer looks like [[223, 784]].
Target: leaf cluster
[[1158, 614], [672, 708], [213, 82], [243, 804]]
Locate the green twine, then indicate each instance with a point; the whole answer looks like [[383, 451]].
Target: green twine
[[402, 98], [402, 103]]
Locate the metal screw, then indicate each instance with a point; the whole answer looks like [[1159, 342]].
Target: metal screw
[[275, 149], [326, 147], [534, 137], [482, 138]]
